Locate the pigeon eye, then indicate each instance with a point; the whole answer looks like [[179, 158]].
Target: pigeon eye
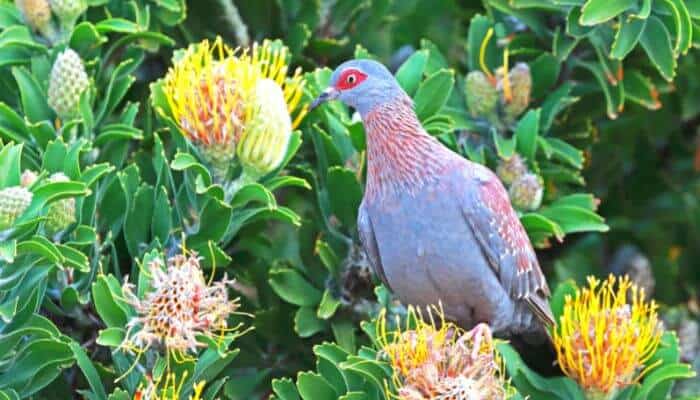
[[351, 79]]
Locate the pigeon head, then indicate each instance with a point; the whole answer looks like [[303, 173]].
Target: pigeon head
[[362, 85]]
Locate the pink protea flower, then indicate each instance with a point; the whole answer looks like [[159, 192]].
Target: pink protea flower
[[179, 307]]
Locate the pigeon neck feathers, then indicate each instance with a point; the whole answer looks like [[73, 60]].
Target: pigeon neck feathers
[[401, 156]]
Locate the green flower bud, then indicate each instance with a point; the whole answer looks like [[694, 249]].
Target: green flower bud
[[263, 143], [510, 169], [37, 14], [68, 11], [526, 192], [68, 80], [61, 213], [482, 96], [13, 201], [520, 87]]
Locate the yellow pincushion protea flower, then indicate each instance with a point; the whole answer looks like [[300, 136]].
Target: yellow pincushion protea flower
[[606, 334], [229, 101], [439, 360], [169, 388]]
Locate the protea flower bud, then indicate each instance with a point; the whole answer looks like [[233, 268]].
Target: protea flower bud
[[37, 14], [526, 192], [67, 82], [518, 98], [481, 94], [264, 141], [68, 11], [13, 201], [61, 214], [510, 169], [28, 178]]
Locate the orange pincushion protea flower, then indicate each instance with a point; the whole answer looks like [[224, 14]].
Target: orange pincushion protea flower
[[439, 360], [606, 334]]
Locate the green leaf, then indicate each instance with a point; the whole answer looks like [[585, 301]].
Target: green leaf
[[411, 71], [432, 94], [294, 288], [545, 72], [575, 219], [566, 152], [12, 126], [313, 387], [583, 200], [344, 332], [345, 195], [504, 147], [162, 222], [10, 159], [306, 323], [640, 89], [526, 132], [656, 41], [663, 374], [120, 25], [573, 24], [86, 40], [111, 337], [328, 256], [33, 97], [253, 192], [73, 258], [558, 300], [284, 389], [595, 12], [114, 132], [109, 310], [529, 383], [684, 26], [89, 371], [214, 220], [478, 27], [41, 246], [329, 304], [539, 224], [137, 226], [627, 36]]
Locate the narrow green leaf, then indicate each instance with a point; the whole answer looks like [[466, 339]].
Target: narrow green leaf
[[89, 371], [595, 12], [432, 94], [656, 41], [526, 132], [627, 36], [33, 97], [411, 71]]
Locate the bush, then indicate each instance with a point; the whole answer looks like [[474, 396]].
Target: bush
[[176, 223]]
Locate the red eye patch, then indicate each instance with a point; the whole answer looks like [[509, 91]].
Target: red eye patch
[[350, 78]]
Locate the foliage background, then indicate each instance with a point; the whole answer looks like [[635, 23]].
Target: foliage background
[[294, 254]]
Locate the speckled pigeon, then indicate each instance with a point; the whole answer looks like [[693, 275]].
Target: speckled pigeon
[[435, 226]]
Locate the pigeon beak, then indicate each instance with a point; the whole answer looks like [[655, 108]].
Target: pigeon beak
[[330, 93]]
